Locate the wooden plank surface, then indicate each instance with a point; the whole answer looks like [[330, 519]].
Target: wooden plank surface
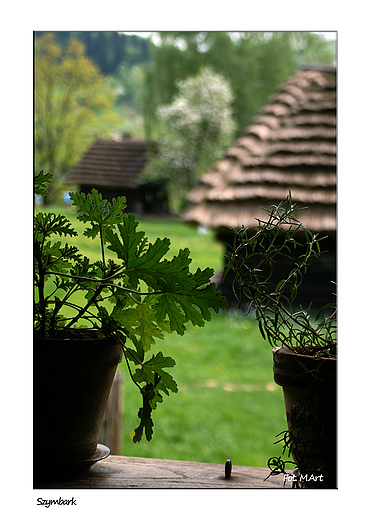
[[118, 472]]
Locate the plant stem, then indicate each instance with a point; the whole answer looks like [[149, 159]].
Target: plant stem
[[103, 281], [82, 311], [102, 248], [294, 320]]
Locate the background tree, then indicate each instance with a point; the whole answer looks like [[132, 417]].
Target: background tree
[[73, 106], [194, 130]]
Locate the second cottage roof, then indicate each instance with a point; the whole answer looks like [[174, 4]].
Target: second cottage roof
[[290, 144], [111, 163]]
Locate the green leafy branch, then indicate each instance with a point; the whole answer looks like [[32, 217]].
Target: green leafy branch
[[41, 182]]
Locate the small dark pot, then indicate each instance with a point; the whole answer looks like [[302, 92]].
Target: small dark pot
[[309, 389], [72, 379]]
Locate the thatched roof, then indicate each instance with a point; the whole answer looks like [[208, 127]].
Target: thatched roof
[[290, 144], [111, 163]]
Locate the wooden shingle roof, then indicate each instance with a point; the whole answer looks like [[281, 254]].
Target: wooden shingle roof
[[290, 144], [111, 163]]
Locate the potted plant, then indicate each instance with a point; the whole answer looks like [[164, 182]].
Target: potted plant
[[304, 343], [90, 314]]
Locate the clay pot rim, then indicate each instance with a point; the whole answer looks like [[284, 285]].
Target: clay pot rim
[[286, 351], [81, 352]]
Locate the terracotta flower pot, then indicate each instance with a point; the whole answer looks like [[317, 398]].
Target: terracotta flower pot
[[72, 379], [309, 389]]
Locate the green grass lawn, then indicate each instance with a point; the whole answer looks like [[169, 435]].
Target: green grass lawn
[[227, 405]]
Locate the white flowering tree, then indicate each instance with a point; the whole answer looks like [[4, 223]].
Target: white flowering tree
[[195, 128]]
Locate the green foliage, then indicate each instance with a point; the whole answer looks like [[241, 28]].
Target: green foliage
[[253, 258], [140, 295], [99, 213]]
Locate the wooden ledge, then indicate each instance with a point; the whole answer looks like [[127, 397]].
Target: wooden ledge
[[117, 472]]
